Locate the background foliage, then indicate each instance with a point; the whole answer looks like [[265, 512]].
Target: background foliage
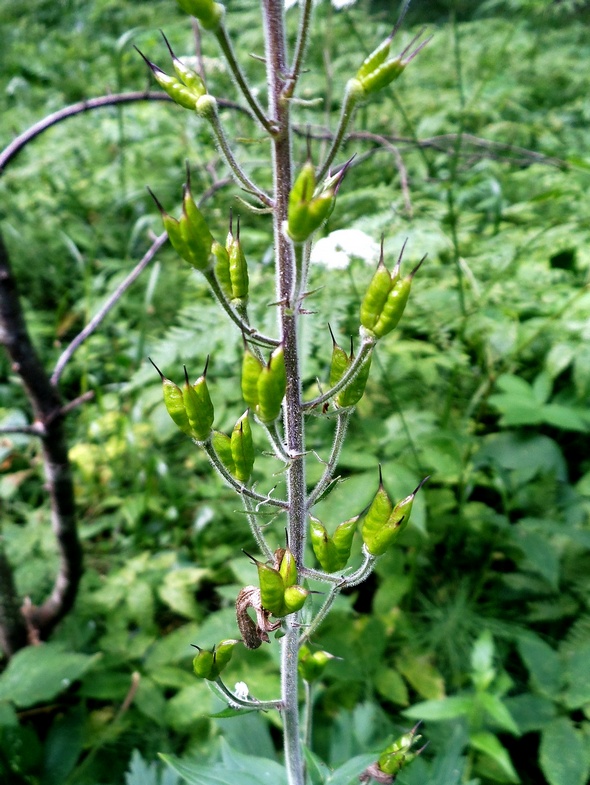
[[479, 623]]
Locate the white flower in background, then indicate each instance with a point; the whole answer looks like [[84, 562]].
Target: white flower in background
[[337, 249]]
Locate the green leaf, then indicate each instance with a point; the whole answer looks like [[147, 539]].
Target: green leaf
[[236, 768], [497, 710], [445, 709], [565, 417], [422, 675], [543, 664], [391, 686], [348, 773], [63, 746], [531, 712], [562, 756], [38, 673], [577, 676], [491, 747]]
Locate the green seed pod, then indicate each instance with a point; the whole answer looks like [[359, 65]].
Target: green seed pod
[[195, 231], [403, 509], [397, 299], [311, 665], [293, 600], [382, 76], [323, 546], [354, 391], [342, 539], [175, 234], [375, 59], [203, 664], [238, 268], [382, 539], [272, 588], [198, 405], [222, 268], [207, 12], [180, 93], [299, 200], [376, 519], [223, 653], [286, 565], [174, 403], [332, 553], [271, 386], [251, 370], [340, 362], [376, 294], [222, 446], [187, 76], [242, 448]]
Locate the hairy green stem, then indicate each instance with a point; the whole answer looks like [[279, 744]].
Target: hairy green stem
[[253, 335], [212, 116], [243, 490], [349, 106], [243, 703], [326, 478], [227, 49], [300, 47]]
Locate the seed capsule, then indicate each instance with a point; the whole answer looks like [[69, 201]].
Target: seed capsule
[[174, 403], [198, 405], [222, 446], [242, 448], [311, 665], [271, 386], [376, 294], [238, 267], [209, 13], [333, 552], [222, 268], [209, 664], [307, 210], [287, 566], [251, 369], [187, 76]]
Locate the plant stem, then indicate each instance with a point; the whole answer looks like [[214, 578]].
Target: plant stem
[[276, 70], [227, 49]]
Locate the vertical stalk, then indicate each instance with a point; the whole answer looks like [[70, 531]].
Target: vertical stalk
[[279, 112]]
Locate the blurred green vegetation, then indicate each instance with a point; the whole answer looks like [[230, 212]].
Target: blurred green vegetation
[[479, 622]]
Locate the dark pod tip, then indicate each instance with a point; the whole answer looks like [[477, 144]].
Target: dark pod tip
[[162, 377]]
